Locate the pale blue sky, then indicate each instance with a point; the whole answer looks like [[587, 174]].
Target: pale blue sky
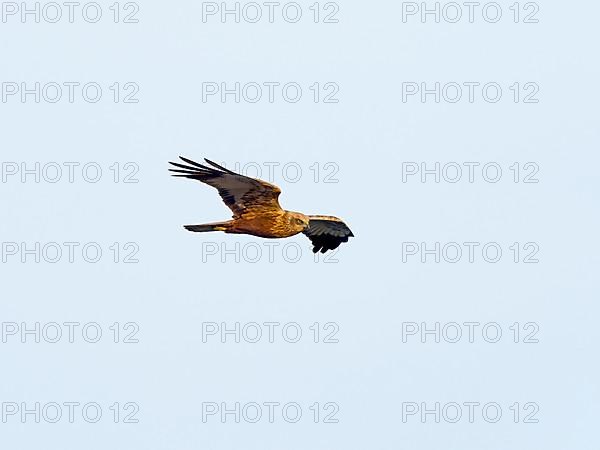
[[369, 293]]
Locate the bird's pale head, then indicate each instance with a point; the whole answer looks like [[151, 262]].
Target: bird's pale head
[[297, 221]]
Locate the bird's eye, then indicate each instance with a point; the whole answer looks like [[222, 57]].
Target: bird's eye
[[299, 221]]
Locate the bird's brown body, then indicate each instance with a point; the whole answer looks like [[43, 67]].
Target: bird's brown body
[[269, 224], [256, 209]]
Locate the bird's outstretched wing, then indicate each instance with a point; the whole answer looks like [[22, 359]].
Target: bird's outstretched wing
[[327, 233], [239, 193]]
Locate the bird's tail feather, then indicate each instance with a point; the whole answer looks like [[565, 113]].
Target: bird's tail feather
[[217, 226]]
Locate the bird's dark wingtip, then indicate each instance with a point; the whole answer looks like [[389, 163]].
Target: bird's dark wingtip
[[219, 167], [211, 163]]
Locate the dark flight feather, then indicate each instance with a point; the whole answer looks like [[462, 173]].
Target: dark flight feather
[[327, 233]]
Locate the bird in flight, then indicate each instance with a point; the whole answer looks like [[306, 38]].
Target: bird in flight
[[256, 209]]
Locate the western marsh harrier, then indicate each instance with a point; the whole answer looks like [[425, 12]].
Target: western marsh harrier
[[256, 210]]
